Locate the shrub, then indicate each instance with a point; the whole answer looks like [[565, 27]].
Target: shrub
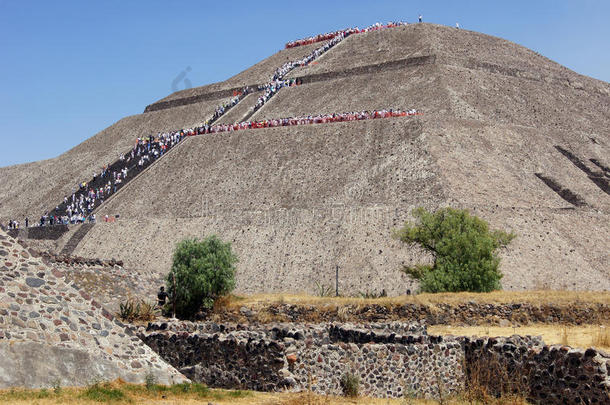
[[57, 386], [463, 249], [43, 393], [202, 271], [350, 384], [150, 380], [134, 310], [323, 290]]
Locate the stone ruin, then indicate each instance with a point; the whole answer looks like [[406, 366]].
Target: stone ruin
[[387, 358], [53, 333], [390, 360]]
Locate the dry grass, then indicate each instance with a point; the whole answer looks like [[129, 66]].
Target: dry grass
[[582, 336], [222, 397], [490, 382], [602, 337], [138, 394], [307, 308], [496, 297]]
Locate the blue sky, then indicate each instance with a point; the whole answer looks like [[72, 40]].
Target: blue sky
[[71, 68]]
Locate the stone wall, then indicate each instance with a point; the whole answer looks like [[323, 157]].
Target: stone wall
[[550, 374], [50, 330], [465, 313], [388, 359]]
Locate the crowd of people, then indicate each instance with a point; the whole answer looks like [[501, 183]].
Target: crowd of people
[[288, 66], [277, 80], [12, 224], [305, 120], [221, 109], [345, 32], [79, 206]]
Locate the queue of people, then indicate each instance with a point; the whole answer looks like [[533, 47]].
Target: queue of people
[[79, 206], [288, 66], [12, 224], [306, 120], [345, 32], [277, 80]]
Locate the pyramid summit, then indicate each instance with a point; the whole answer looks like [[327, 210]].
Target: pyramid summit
[[500, 130]]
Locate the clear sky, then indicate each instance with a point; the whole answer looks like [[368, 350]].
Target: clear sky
[[72, 68]]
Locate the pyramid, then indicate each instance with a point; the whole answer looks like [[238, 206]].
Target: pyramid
[[53, 333], [508, 134]]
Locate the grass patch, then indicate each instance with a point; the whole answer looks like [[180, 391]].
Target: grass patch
[[119, 392], [186, 388], [104, 393]]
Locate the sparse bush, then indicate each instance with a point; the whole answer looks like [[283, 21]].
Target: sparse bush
[[146, 311], [323, 290], [150, 380], [350, 384], [43, 393], [372, 294], [490, 381], [202, 272], [463, 250], [136, 310], [127, 310], [57, 386], [602, 337]]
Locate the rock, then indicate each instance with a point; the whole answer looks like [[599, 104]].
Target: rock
[[246, 312], [34, 282]]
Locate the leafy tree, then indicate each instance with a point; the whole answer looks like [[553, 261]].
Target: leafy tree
[[463, 249], [203, 271]]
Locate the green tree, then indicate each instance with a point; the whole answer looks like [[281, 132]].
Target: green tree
[[463, 249], [203, 270]]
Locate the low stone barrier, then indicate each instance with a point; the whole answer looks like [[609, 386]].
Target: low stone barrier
[[467, 313], [546, 374], [388, 359]]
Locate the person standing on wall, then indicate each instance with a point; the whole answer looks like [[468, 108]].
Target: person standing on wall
[[162, 297]]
